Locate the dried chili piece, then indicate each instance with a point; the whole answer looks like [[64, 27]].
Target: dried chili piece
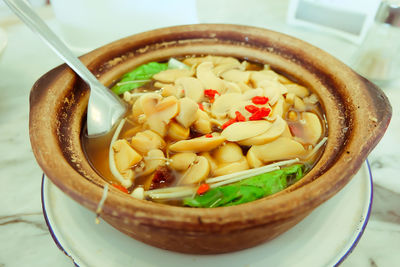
[[239, 116], [261, 113], [252, 108], [203, 188], [200, 106], [226, 124], [121, 188], [210, 93], [208, 135], [259, 100]]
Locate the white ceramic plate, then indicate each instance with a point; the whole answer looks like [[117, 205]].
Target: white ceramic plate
[[324, 238], [3, 40]]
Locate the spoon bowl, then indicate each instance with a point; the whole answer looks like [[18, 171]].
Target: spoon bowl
[[104, 108]]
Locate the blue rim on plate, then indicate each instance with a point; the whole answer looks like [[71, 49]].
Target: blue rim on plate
[[347, 251]]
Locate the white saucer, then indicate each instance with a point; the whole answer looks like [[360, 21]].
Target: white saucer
[[324, 238]]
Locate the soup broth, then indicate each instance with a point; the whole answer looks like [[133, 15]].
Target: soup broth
[[209, 131]]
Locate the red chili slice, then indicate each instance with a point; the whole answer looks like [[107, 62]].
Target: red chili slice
[[202, 189], [252, 108], [121, 188], [259, 100], [201, 106], [263, 112], [226, 124], [209, 135], [239, 116]]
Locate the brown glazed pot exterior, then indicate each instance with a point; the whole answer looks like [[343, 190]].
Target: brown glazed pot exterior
[[357, 113]]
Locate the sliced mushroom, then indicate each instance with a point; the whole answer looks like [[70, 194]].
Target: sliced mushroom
[[216, 60], [312, 128], [279, 149], [202, 124], [177, 132], [199, 144], [167, 89], [222, 68], [137, 110], [231, 167], [124, 155], [231, 87], [138, 193], [277, 128], [170, 75], [273, 90], [230, 152], [182, 161], [253, 160], [197, 172], [159, 111], [152, 161], [188, 112], [237, 76], [205, 74], [278, 108], [243, 130], [146, 141], [297, 89], [223, 103], [192, 87], [211, 161], [256, 77], [299, 104]]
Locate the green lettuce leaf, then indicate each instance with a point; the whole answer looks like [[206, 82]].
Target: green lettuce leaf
[[247, 190], [134, 79]]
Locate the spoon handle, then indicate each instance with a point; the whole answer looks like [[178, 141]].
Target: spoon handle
[[36, 24]]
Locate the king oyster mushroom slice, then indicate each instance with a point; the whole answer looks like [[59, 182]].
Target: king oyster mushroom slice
[[253, 160], [182, 161], [231, 87], [243, 130], [276, 130], [230, 152], [177, 132], [197, 172], [279, 149], [170, 75], [211, 161], [202, 124], [153, 159], [198, 144], [187, 112], [256, 77], [236, 75], [297, 89], [216, 60], [278, 108], [146, 141], [192, 87], [167, 89], [222, 68], [299, 104], [124, 156], [312, 128], [273, 90], [231, 167], [206, 76], [224, 103], [159, 111]]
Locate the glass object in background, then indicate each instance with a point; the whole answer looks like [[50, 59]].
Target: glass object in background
[[378, 58], [85, 25]]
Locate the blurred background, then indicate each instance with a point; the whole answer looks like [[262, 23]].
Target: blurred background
[[360, 24]]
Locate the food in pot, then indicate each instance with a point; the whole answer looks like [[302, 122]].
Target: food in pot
[[209, 131]]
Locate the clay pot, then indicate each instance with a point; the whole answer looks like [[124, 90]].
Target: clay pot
[[357, 113]]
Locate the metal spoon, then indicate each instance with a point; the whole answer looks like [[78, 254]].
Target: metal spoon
[[104, 108]]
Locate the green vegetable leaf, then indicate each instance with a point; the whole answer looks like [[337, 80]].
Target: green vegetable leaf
[[138, 77], [247, 190]]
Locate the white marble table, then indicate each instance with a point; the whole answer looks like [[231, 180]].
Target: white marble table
[[24, 237]]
